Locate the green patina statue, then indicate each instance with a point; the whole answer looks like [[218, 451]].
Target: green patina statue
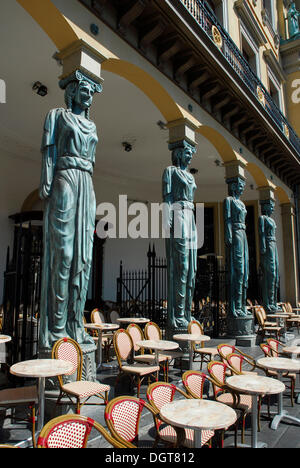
[[237, 254], [293, 21], [68, 149], [181, 246], [268, 256]]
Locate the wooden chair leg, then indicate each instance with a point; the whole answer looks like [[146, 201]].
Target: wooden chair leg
[[33, 426]]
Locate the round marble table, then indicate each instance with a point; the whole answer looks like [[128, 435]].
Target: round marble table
[[4, 339], [255, 385], [136, 320], [100, 328], [191, 339], [198, 415], [157, 346], [281, 366], [41, 369]]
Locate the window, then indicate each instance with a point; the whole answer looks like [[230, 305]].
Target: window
[[249, 55], [269, 8], [219, 8], [274, 89]]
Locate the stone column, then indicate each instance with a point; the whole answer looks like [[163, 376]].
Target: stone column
[[181, 259], [79, 62], [291, 267], [240, 323]]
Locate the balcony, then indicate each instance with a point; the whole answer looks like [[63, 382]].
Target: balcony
[[185, 40], [214, 30]]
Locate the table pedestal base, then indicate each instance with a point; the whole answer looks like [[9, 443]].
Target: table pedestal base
[[283, 415]]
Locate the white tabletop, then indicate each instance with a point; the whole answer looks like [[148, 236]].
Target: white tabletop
[[159, 345], [101, 326], [5, 339], [291, 350], [279, 364], [41, 368], [136, 320], [191, 337], [198, 414], [255, 385]]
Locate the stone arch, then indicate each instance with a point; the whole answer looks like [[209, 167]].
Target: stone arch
[[223, 147], [282, 195], [258, 175], [64, 34], [30, 201]]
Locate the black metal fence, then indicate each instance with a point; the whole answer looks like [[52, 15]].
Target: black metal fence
[[22, 287], [144, 293]]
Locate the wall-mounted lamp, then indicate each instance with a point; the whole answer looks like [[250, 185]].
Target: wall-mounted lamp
[[162, 125], [194, 171], [40, 89], [127, 146]]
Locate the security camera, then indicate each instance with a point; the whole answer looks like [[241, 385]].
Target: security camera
[[127, 146]]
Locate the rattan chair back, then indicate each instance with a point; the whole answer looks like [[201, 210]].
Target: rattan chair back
[[73, 431], [193, 382]]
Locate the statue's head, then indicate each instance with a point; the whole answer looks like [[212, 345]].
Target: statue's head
[[182, 154], [236, 186], [79, 90], [267, 207]]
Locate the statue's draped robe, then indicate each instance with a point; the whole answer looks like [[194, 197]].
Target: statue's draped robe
[[68, 147], [178, 189], [237, 255], [269, 262]]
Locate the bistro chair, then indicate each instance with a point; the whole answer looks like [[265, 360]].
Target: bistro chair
[[153, 332], [8, 446], [262, 324], [224, 394], [136, 334], [98, 317], [194, 382], [224, 349], [113, 316], [274, 351], [27, 397], [124, 349], [122, 417], [207, 354], [72, 432], [82, 390], [158, 395], [237, 362]]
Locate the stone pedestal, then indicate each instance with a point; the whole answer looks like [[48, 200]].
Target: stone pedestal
[[89, 371], [242, 330]]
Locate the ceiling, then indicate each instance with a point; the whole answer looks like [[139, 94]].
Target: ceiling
[[122, 113]]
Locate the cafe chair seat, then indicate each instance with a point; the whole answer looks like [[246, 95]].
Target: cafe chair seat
[[82, 389]]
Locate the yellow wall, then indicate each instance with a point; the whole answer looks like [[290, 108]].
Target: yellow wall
[[293, 100]]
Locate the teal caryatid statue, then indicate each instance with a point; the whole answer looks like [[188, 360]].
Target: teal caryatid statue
[[293, 21], [237, 253], [268, 256], [181, 247], [68, 149]]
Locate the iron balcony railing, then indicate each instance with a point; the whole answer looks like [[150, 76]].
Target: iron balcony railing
[[206, 19]]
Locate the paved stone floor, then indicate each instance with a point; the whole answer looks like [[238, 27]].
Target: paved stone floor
[[286, 436]]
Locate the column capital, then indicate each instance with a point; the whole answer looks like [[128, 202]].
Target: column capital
[[266, 193], [180, 131], [235, 169], [83, 57]]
